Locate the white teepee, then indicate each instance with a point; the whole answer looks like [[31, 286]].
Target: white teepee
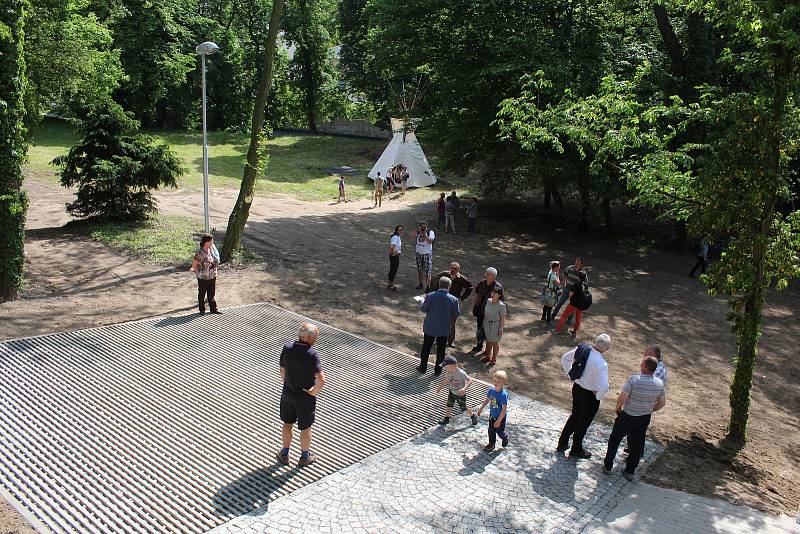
[[406, 152]]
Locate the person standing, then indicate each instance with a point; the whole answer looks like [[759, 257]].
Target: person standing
[[472, 216], [497, 399], [378, 194], [404, 179], [641, 395], [342, 192], [395, 248], [570, 277], [588, 370], [493, 323], [550, 294], [702, 258], [449, 216], [461, 288], [440, 211], [456, 201], [303, 379], [661, 369], [482, 293], [424, 239], [205, 265], [578, 303], [440, 307]]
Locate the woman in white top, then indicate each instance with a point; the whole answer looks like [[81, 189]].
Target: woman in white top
[[395, 246]]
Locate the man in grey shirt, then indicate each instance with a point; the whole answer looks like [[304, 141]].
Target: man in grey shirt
[[641, 395]]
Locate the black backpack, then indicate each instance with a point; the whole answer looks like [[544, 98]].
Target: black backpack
[[579, 364], [581, 298]]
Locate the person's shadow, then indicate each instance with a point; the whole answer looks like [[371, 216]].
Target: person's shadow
[[556, 481], [253, 491], [477, 463]]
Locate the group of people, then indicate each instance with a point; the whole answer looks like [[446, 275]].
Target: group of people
[[643, 394], [570, 287], [396, 176], [448, 207]]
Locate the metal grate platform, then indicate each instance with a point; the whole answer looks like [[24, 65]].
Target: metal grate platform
[[171, 425]]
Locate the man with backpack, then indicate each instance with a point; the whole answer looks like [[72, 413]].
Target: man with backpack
[[570, 277], [588, 371], [579, 301]]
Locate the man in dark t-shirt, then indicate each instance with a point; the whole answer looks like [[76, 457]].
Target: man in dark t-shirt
[[303, 379]]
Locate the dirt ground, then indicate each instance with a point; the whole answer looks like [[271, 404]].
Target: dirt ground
[[328, 261]]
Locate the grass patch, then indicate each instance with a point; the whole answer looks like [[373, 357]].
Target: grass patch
[[164, 239], [296, 166]]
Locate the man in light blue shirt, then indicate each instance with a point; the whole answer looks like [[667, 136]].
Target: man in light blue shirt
[[440, 308]]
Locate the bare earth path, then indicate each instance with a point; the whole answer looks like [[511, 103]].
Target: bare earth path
[[328, 261]]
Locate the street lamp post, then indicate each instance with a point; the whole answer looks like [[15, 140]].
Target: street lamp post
[[205, 49]]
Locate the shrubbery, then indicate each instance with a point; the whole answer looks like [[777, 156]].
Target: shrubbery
[[114, 167]]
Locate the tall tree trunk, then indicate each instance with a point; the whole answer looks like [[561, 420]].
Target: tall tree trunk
[[748, 320], [674, 48], [241, 210], [309, 80], [13, 200]]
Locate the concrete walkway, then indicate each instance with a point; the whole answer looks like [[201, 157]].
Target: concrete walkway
[[652, 510]]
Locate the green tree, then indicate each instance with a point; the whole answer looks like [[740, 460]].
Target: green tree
[[69, 57], [241, 210], [733, 183], [310, 27], [13, 200], [114, 168]]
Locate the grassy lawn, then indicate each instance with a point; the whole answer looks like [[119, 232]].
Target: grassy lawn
[[296, 166], [163, 239]]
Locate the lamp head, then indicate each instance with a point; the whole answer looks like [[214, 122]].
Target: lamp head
[[206, 49]]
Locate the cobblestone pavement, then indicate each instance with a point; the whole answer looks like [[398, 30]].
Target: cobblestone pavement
[[442, 481]]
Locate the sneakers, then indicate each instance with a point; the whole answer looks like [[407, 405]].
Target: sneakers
[[562, 448], [282, 458], [628, 476], [606, 470], [505, 442], [474, 419], [310, 459], [216, 312], [489, 447], [445, 421], [421, 369], [580, 455]]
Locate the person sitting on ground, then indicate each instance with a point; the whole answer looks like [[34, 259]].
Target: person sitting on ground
[[497, 398], [458, 382]]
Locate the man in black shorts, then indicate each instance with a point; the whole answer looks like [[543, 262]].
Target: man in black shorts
[[303, 379]]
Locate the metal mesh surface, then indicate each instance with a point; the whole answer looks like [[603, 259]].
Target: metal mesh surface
[[171, 425]]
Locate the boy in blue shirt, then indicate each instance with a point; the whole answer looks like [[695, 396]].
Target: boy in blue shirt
[[497, 398]]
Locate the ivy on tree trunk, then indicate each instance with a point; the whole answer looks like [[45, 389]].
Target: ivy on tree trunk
[[13, 200]]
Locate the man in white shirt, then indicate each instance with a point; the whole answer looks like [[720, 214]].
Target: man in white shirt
[[424, 248], [587, 392]]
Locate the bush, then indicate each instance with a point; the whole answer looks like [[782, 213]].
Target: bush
[[115, 168]]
